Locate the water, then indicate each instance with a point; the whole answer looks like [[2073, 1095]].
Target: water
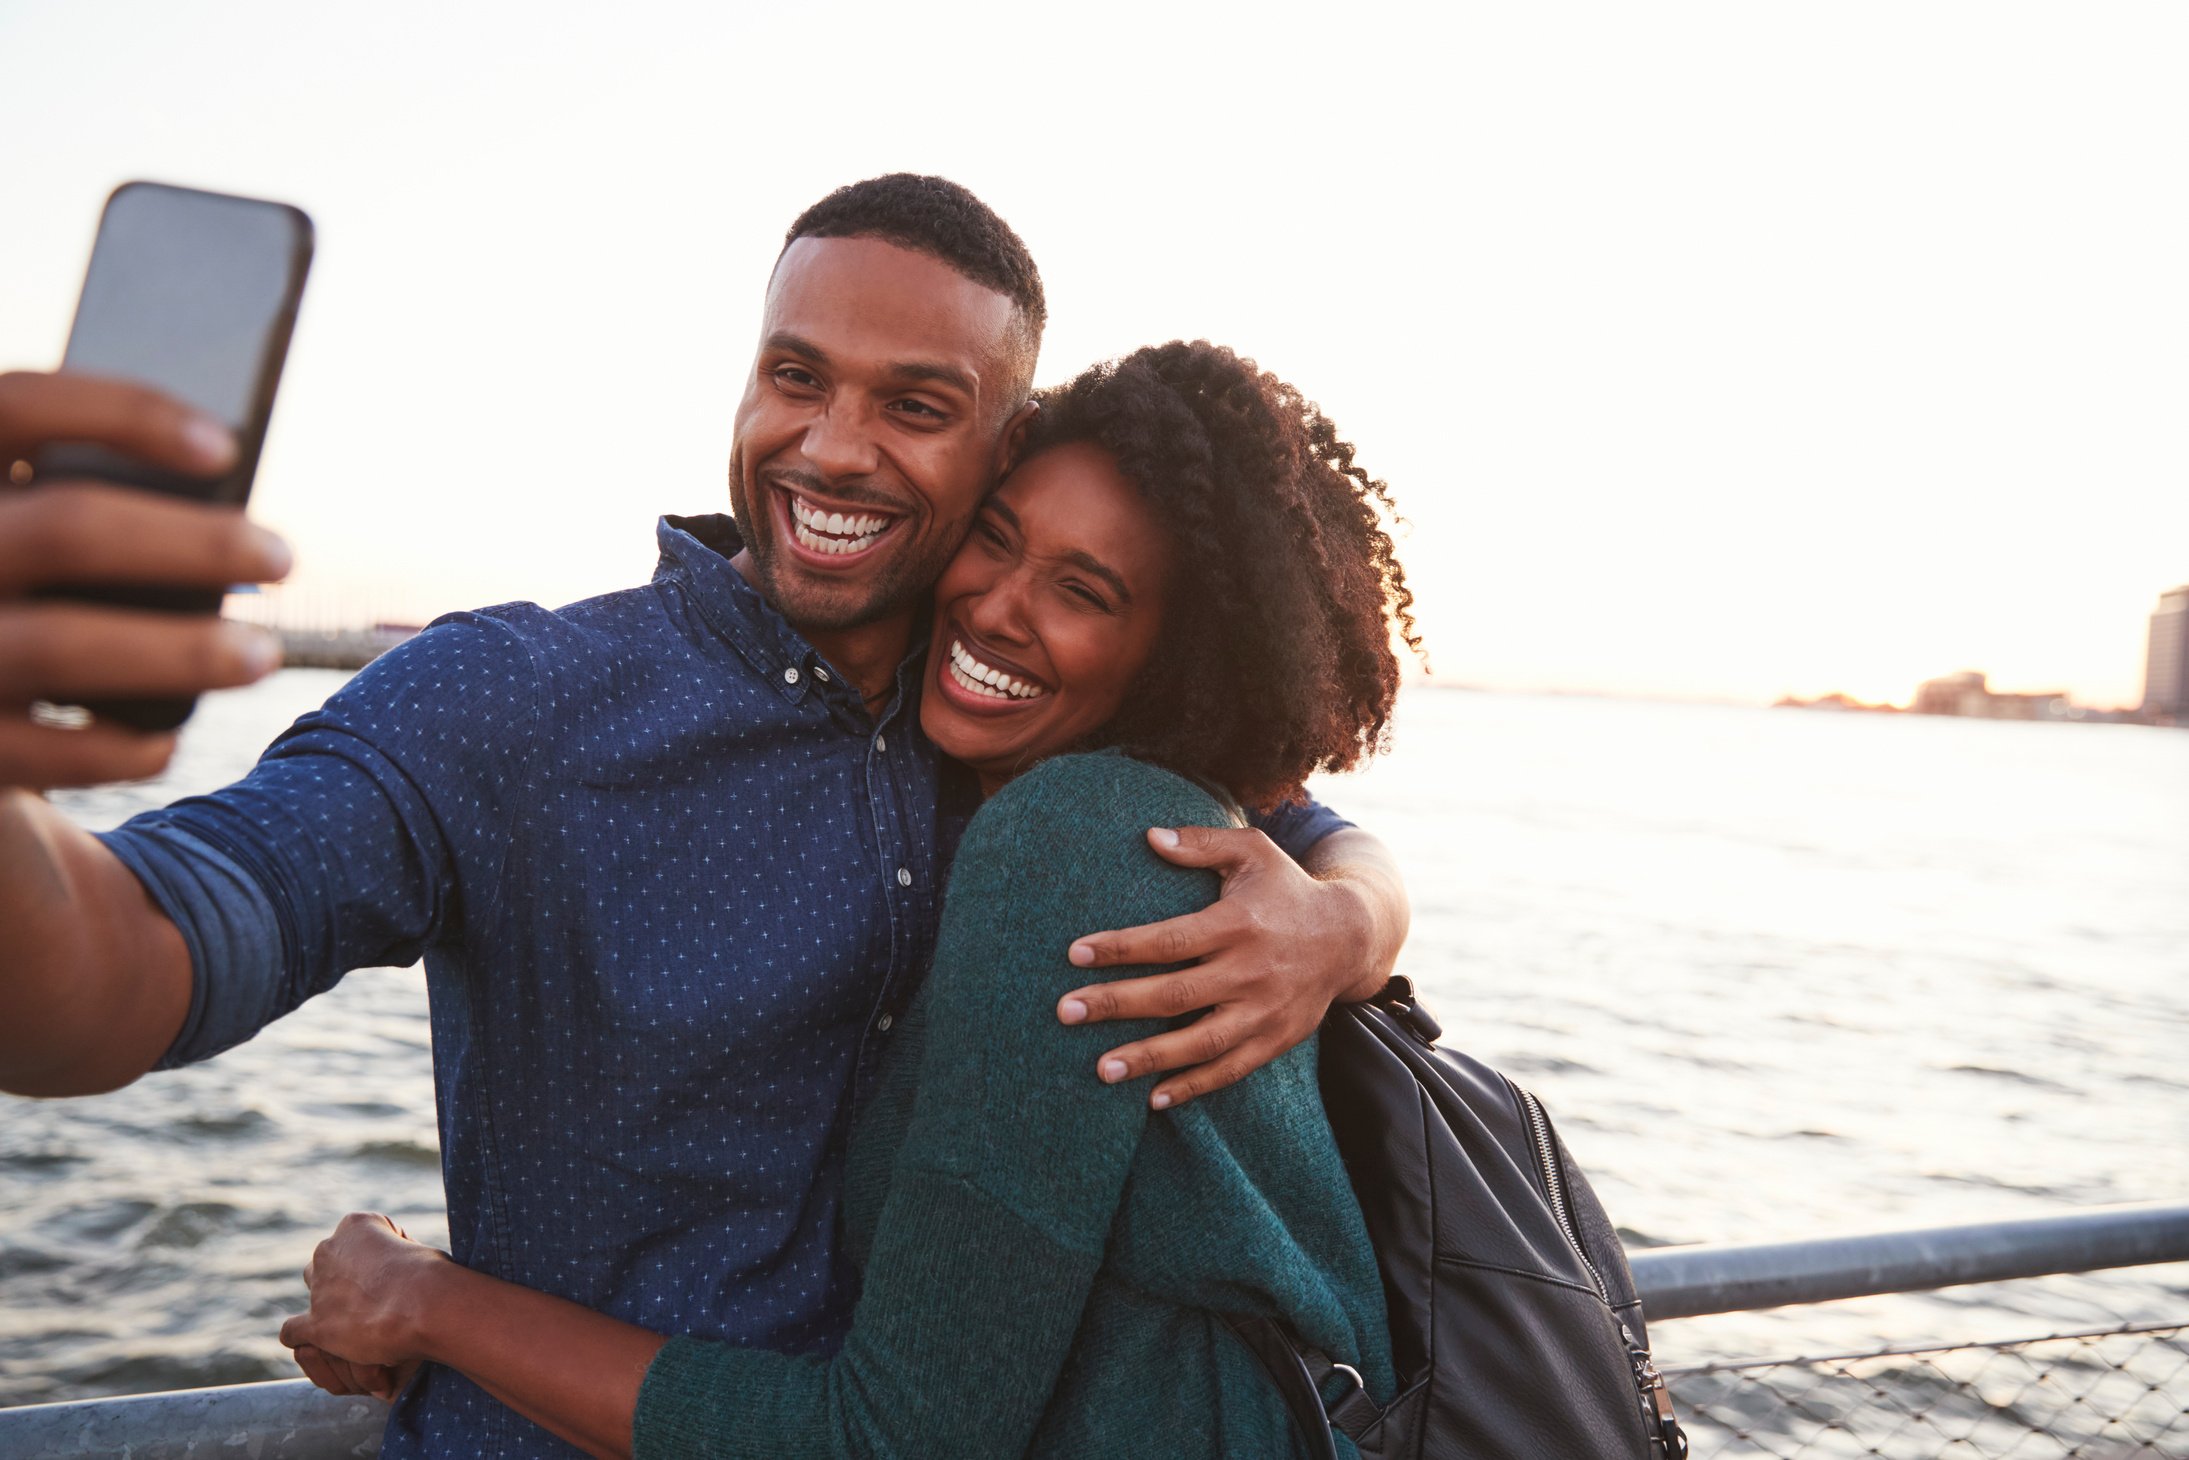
[[1775, 973]]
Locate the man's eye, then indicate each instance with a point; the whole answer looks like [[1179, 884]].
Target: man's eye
[[919, 409], [795, 376]]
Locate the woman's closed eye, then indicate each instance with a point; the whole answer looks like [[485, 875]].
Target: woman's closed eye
[[1087, 597]]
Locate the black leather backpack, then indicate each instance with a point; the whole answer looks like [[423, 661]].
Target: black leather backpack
[[1515, 1326]]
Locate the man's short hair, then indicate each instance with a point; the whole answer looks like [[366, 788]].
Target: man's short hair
[[937, 217]]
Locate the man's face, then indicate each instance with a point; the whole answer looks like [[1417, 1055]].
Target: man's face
[[873, 424]]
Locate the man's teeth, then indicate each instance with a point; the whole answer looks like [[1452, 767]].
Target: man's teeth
[[843, 534], [973, 675]]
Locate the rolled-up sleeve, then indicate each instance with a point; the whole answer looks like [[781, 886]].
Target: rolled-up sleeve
[[228, 923], [1298, 827], [345, 846]]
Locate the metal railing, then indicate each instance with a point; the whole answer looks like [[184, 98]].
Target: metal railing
[[2106, 1395]]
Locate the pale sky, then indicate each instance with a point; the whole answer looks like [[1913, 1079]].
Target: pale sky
[[1714, 349]]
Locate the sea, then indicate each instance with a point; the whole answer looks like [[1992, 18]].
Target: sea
[[1775, 973]]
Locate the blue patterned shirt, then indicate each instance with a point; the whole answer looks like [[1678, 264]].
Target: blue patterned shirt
[[672, 884]]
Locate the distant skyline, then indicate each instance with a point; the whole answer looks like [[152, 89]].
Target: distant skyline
[[1713, 350]]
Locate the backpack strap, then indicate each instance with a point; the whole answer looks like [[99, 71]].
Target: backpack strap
[[1301, 1374]]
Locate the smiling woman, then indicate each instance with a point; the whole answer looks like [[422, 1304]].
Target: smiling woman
[[1046, 617], [1188, 566]]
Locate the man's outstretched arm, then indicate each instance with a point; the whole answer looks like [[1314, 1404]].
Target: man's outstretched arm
[[1285, 941], [94, 979]]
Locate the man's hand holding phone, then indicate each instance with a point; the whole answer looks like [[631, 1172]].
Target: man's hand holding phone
[[63, 534]]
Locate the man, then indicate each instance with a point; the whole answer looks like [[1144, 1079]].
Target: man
[[672, 857]]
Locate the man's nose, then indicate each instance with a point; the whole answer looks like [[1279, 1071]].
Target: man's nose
[[840, 442]]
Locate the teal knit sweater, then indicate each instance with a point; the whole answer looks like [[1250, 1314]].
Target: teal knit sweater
[[1042, 1260]]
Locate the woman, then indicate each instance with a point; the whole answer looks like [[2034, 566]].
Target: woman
[[1186, 574]]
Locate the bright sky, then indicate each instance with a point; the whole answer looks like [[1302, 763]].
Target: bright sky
[[1714, 349]]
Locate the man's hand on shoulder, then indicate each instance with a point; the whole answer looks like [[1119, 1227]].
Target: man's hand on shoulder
[[56, 534], [1268, 958]]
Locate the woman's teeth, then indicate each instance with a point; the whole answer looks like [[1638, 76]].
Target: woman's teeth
[[833, 532], [977, 677]]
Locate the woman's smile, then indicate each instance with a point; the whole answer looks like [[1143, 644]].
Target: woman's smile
[[990, 681]]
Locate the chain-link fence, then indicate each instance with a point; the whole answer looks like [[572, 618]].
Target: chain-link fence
[[2105, 1395]]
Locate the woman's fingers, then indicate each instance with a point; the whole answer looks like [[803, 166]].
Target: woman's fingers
[[38, 408], [317, 1369]]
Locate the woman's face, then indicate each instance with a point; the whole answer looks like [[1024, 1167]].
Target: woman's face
[[1046, 614]]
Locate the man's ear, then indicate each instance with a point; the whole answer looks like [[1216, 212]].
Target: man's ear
[[1013, 444]]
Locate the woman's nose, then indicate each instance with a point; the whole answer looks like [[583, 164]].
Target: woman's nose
[[1000, 612]]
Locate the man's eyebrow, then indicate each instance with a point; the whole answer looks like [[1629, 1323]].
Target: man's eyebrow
[[1084, 561], [926, 371], [903, 372], [797, 344]]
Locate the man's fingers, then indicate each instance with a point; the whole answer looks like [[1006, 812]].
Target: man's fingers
[[1175, 940], [44, 758], [68, 653], [1202, 1042], [1158, 996], [88, 532], [1202, 1079], [1210, 846], [36, 409]]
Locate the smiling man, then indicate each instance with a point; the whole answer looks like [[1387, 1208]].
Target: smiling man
[[673, 858]]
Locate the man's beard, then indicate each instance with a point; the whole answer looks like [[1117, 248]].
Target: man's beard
[[901, 588]]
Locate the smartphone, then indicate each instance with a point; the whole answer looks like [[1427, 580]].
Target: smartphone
[[195, 294]]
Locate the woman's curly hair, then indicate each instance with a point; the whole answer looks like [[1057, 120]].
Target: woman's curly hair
[[1275, 657]]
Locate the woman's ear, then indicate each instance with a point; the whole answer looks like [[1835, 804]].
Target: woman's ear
[[1013, 445]]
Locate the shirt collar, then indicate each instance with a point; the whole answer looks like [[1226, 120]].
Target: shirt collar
[[696, 552]]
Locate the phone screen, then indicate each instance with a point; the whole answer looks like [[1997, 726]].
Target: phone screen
[[187, 292]]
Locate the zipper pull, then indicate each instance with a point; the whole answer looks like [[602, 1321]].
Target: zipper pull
[[1656, 1398]]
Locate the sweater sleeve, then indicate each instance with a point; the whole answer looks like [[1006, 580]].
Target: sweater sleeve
[[1012, 1169]]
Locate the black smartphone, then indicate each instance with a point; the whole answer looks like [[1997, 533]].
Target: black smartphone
[[195, 294]]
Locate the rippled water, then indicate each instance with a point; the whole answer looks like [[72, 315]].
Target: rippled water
[[1774, 973]]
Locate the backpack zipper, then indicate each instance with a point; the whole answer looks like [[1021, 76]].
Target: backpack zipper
[[1665, 1430], [1554, 1181]]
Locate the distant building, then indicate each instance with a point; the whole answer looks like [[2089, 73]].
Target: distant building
[[2166, 666], [1968, 694]]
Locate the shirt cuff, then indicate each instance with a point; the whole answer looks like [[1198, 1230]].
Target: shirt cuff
[[228, 923], [1297, 828]]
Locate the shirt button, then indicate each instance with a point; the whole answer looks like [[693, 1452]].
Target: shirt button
[[882, 1024], [790, 676], [904, 877], [820, 674], [881, 743]]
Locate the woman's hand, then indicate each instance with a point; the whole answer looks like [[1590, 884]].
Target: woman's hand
[[372, 1304]]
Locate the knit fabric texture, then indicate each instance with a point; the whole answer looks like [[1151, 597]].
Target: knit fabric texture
[[1043, 1261]]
